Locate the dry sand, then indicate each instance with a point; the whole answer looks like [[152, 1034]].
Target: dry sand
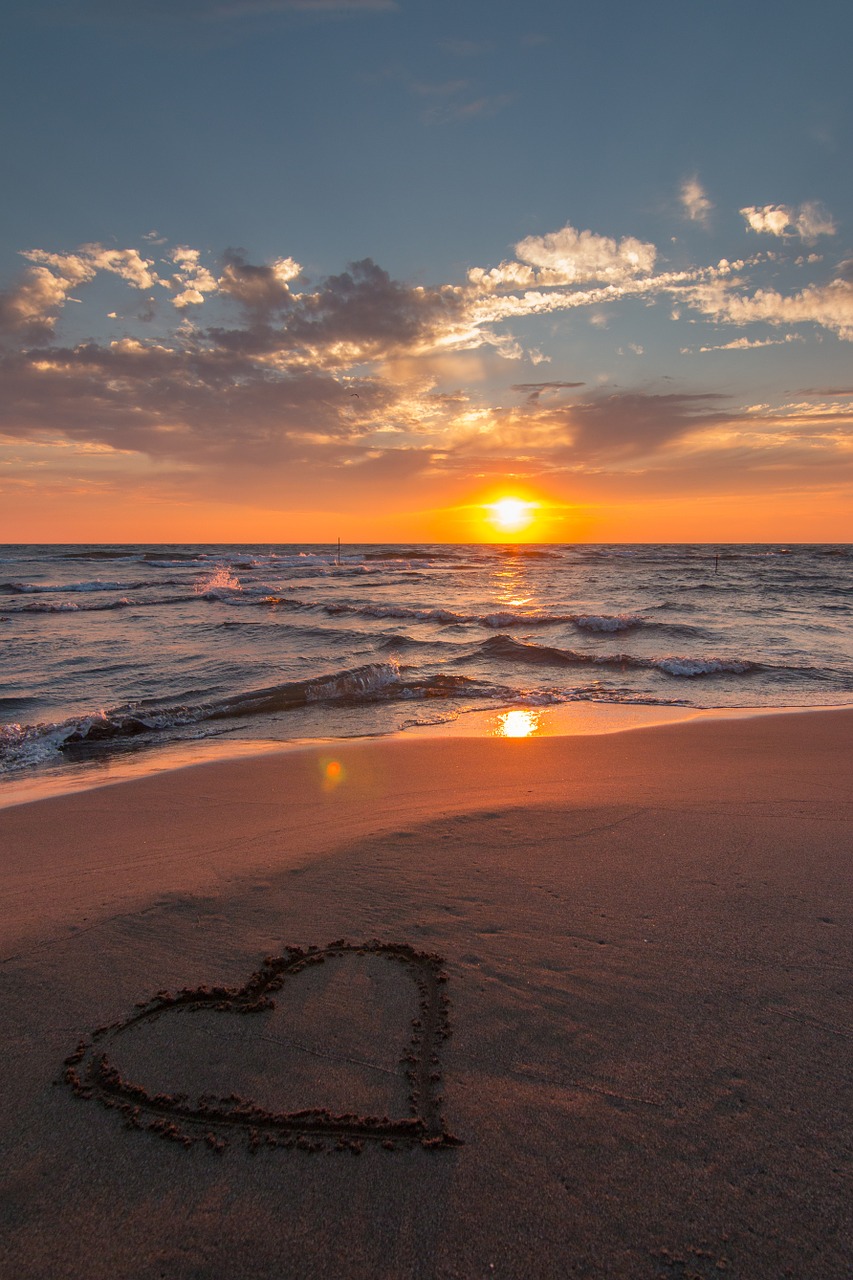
[[646, 940]]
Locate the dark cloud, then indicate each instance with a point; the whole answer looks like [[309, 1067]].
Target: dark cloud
[[826, 391], [205, 407], [254, 398], [361, 314], [262, 290], [20, 326], [638, 422], [365, 307]]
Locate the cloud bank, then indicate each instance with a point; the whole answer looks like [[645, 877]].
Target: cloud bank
[[244, 369]]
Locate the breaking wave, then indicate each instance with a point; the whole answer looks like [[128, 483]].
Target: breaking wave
[[507, 649], [23, 745]]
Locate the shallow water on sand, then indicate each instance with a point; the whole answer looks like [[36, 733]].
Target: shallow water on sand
[[115, 649]]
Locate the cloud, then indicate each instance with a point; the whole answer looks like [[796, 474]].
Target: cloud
[[191, 281], [365, 313], [30, 307], [637, 422], [808, 221], [535, 389], [482, 108], [490, 307], [828, 305], [261, 290], [695, 202], [261, 380], [81, 266], [749, 344], [252, 395], [568, 257], [197, 405]]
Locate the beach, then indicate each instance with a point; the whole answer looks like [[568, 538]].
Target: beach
[[582, 1001]]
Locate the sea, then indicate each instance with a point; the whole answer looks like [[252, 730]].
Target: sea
[[112, 651]]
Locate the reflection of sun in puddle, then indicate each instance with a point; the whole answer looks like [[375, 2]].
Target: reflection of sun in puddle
[[517, 724]]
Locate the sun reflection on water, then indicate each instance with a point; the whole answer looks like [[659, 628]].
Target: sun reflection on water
[[517, 724]]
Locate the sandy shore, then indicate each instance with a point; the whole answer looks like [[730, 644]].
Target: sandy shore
[[640, 944]]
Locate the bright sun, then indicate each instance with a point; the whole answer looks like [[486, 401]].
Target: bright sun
[[511, 514]]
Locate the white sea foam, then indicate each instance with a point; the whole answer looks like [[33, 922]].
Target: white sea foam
[[221, 579], [606, 622]]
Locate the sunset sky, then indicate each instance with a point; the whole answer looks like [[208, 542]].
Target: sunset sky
[[288, 270]]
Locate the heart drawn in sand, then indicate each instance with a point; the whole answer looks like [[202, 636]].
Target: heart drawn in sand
[[92, 1073]]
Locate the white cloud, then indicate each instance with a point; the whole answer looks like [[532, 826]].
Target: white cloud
[[695, 201], [69, 269], [808, 221], [829, 305], [80, 267], [191, 281], [568, 257], [489, 307], [286, 269], [46, 285], [750, 344], [35, 300]]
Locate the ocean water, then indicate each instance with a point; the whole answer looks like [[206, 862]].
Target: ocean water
[[108, 649]]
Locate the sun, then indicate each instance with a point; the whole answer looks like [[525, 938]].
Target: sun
[[511, 514]]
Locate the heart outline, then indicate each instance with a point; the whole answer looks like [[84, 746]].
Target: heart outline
[[91, 1075]]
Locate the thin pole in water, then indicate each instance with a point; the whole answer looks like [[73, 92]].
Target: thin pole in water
[[716, 563], [339, 551]]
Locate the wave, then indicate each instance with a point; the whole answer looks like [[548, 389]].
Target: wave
[[507, 649], [449, 617], [25, 745], [403, 553], [528, 553], [51, 588], [69, 606], [607, 622], [101, 553], [398, 640]]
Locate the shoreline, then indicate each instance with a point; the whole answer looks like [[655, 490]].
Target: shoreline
[[643, 939], [104, 844], [66, 778]]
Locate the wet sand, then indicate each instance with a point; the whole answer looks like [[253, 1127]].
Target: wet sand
[[579, 1006]]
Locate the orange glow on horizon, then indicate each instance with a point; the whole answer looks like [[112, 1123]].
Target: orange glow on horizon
[[456, 513]]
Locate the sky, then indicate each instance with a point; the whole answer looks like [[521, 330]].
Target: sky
[[294, 270]]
